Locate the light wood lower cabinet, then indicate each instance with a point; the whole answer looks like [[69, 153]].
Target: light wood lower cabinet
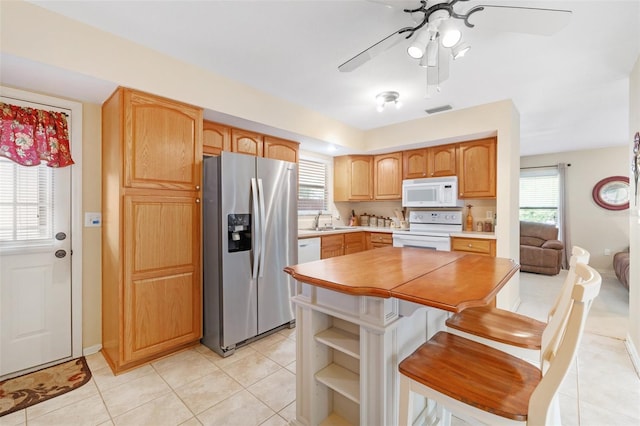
[[162, 297], [379, 239], [482, 246], [331, 246], [354, 242]]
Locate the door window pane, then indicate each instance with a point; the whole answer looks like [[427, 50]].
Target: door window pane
[[26, 202]]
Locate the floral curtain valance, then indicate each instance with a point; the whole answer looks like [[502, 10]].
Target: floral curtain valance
[[29, 136]]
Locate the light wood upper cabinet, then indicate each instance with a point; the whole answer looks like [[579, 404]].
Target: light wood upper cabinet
[[477, 168], [442, 160], [353, 178], [246, 142], [162, 142], [280, 149], [215, 138], [415, 163], [387, 172], [430, 162]]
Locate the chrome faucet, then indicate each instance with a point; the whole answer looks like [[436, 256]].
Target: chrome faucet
[[316, 221]]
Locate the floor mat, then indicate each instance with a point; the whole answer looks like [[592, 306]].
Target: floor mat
[[23, 391]]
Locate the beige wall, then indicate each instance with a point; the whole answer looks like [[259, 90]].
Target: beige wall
[[91, 237], [591, 226], [634, 224]]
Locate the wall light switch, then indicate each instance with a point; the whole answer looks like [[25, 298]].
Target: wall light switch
[[92, 219]]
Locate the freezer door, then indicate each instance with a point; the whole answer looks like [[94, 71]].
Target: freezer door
[[238, 296], [278, 181]]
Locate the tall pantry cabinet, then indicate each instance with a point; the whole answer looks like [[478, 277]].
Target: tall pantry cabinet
[[151, 273]]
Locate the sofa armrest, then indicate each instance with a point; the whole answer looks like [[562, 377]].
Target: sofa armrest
[[553, 244]]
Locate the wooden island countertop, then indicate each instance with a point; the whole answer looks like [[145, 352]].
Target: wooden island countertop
[[450, 281]]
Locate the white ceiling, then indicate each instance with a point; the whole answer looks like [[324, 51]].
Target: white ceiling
[[571, 89]]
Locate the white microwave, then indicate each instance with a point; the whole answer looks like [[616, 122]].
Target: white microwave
[[431, 192]]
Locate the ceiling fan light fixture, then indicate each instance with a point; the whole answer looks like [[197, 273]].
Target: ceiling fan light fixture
[[386, 97], [449, 34], [416, 50], [460, 49]]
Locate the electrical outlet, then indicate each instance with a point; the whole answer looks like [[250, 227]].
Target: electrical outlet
[[607, 252], [92, 219]]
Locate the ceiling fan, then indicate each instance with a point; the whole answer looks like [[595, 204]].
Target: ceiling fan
[[439, 38]]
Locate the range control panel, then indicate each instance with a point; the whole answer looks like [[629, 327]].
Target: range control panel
[[446, 217]]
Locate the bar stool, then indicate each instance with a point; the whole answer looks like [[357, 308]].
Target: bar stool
[[491, 386], [509, 331]]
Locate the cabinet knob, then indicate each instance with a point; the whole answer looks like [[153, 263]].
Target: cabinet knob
[[469, 245], [197, 187], [197, 200]]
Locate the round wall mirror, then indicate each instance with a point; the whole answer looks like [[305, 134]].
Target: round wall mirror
[[612, 193]]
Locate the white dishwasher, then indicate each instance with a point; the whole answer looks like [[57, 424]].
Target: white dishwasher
[[308, 249]]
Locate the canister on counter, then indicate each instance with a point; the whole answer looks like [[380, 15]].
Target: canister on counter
[[364, 220]]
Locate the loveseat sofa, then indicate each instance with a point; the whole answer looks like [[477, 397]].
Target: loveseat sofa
[[621, 262], [540, 249]]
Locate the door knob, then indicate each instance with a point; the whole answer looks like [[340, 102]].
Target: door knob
[[60, 254], [61, 236]]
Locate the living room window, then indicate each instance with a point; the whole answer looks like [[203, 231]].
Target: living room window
[[313, 186], [540, 195]]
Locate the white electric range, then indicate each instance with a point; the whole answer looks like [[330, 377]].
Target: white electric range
[[429, 229]]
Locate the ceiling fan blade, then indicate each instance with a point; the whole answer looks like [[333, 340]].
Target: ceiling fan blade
[[520, 19], [373, 51]]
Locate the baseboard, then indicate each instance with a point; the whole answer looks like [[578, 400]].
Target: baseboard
[[91, 349], [633, 354]]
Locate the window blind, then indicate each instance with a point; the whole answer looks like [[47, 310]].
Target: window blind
[[26, 202], [539, 195], [312, 186], [539, 189]]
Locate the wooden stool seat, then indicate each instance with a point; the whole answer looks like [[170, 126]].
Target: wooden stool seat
[[471, 379], [475, 374], [499, 325], [511, 332]]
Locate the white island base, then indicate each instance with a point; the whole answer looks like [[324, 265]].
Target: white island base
[[348, 351]]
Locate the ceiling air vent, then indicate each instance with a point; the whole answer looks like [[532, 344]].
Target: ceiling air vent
[[438, 109]]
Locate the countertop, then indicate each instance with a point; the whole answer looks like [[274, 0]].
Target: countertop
[[451, 281], [310, 233], [474, 234]]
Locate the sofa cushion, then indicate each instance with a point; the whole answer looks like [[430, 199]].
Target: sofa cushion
[[621, 262], [537, 230]]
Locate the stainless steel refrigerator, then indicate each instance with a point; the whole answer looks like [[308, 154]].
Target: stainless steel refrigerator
[[250, 223]]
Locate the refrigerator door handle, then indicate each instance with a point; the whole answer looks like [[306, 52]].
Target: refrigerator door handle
[[263, 226], [257, 224]]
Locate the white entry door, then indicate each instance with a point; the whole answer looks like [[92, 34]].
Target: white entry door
[[35, 266]]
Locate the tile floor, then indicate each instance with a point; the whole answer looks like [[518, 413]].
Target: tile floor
[[256, 386]]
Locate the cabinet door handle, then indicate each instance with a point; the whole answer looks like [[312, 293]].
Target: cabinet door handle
[[470, 245], [197, 200], [197, 187]]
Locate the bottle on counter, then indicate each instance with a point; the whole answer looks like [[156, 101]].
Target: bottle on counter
[[479, 226], [469, 225]]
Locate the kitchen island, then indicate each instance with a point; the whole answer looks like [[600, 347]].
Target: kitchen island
[[359, 315]]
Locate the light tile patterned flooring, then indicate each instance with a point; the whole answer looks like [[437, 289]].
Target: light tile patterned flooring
[[256, 385]]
